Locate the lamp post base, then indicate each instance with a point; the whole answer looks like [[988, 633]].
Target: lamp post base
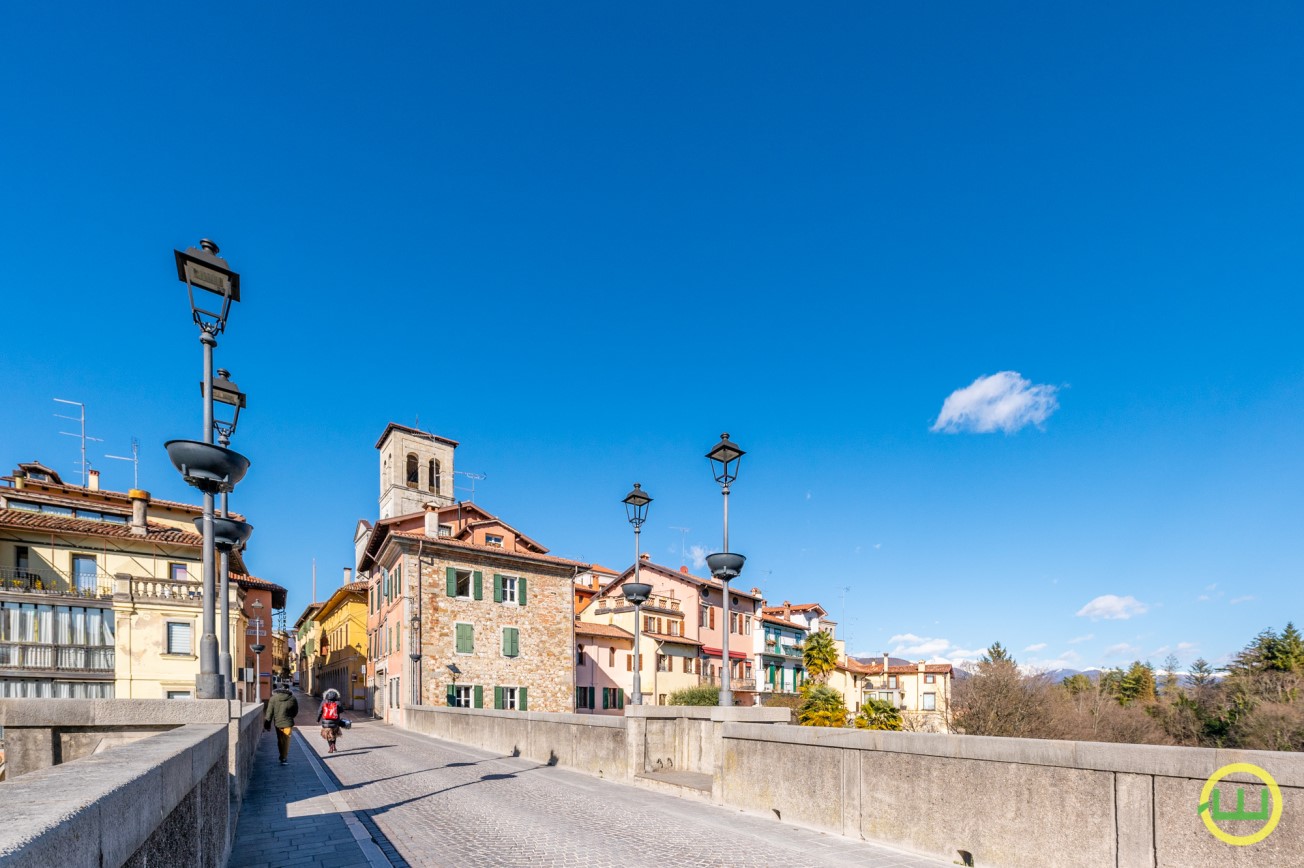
[[208, 685], [224, 673]]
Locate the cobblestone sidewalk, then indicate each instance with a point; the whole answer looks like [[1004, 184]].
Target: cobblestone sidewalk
[[289, 818]]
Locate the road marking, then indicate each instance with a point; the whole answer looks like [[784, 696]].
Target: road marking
[[375, 856]]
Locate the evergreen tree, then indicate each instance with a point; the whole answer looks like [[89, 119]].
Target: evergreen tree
[[1137, 686], [997, 655], [1077, 684], [1172, 682], [1202, 674], [1286, 653]]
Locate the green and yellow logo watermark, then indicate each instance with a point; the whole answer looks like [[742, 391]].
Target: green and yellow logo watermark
[[1269, 807]]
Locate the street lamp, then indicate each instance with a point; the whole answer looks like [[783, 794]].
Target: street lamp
[[636, 592], [211, 469], [415, 655], [258, 647], [725, 457], [226, 392]]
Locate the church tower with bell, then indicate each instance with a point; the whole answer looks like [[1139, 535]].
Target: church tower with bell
[[416, 468]]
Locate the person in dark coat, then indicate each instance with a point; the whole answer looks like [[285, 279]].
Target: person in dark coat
[[280, 713]]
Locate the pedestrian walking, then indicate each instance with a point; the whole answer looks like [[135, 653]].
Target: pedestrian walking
[[330, 718], [280, 712]]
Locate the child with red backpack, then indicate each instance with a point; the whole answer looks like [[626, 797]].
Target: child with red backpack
[[329, 716]]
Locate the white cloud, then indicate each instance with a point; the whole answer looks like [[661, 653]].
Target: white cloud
[[1212, 587], [1087, 638], [1186, 646], [1038, 647], [1247, 598], [1122, 649], [1113, 608], [1067, 660], [698, 555], [1003, 401], [1203, 598], [912, 647]]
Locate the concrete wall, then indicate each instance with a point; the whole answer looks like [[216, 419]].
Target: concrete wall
[[161, 801], [1008, 802]]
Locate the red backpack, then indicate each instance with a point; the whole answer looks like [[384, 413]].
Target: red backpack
[[330, 711]]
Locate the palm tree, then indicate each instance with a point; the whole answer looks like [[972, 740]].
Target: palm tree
[[821, 705], [819, 655], [878, 714]]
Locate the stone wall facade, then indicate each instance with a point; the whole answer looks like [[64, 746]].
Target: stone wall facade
[[544, 639]]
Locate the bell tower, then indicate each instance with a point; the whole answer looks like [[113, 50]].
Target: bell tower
[[416, 468]]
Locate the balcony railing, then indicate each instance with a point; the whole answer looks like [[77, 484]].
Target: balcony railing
[[44, 580], [778, 649], [64, 658], [166, 589], [734, 683]]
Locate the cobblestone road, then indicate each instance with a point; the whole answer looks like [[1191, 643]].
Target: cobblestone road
[[445, 804]]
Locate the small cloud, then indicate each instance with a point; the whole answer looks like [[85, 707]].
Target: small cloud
[[876, 545], [1186, 646], [1004, 401], [1237, 600], [1038, 647], [1203, 598], [1212, 587], [1111, 607], [858, 550], [913, 647], [1087, 638], [808, 495], [698, 555], [1122, 649]]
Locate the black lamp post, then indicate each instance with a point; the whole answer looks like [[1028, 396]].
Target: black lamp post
[[725, 457], [258, 648], [415, 656], [226, 392], [212, 469], [637, 592]]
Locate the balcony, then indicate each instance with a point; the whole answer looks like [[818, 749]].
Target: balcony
[[734, 683], [779, 649], [45, 580], [143, 587], [60, 658]]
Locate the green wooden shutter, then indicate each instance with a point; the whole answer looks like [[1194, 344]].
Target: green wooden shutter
[[606, 696], [620, 697], [478, 691], [498, 588], [465, 639], [452, 582], [507, 642], [477, 579], [522, 703], [498, 698], [513, 638], [452, 696], [520, 591]]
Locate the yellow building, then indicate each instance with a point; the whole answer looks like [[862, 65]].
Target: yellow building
[[307, 643], [105, 590], [341, 661]]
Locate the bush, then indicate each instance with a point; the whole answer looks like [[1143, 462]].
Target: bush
[[703, 694], [821, 705]]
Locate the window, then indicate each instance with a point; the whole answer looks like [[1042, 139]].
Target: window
[[460, 696], [661, 699], [431, 475], [511, 642], [178, 694], [584, 697], [85, 574], [613, 697], [505, 698], [579, 655], [179, 636], [930, 679], [493, 539], [413, 474], [892, 682], [611, 659], [445, 530], [178, 572], [460, 582], [507, 589], [663, 663], [439, 481], [465, 638], [930, 702], [747, 625], [688, 665], [702, 622]]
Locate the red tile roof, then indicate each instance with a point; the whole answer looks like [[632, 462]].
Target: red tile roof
[[85, 495], [675, 640], [681, 575], [773, 619], [498, 550], [278, 593], [605, 631], [912, 669], [40, 521]]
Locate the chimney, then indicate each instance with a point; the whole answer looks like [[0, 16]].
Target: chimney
[[684, 570], [348, 575], [756, 592], [20, 479], [885, 669], [432, 521], [645, 557], [139, 511], [92, 480]]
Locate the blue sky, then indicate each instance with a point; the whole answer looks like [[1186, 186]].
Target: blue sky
[[584, 240]]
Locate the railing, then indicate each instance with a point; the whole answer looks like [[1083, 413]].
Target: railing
[[166, 589], [778, 649], [734, 683], [69, 658], [43, 580]]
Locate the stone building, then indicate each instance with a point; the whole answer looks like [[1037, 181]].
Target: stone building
[[485, 609]]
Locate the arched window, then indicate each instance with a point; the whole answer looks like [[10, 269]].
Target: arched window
[[412, 481], [439, 478], [433, 482]]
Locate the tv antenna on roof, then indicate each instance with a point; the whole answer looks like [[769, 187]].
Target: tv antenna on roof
[[135, 462], [683, 544], [85, 465], [471, 476]]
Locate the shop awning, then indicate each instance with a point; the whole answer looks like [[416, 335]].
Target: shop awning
[[733, 655]]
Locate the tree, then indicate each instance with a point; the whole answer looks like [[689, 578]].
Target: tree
[[1078, 683], [821, 705], [1202, 674], [997, 654], [819, 655], [878, 714], [1137, 685], [703, 694], [1172, 683]]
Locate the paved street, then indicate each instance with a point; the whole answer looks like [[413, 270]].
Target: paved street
[[439, 803]]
